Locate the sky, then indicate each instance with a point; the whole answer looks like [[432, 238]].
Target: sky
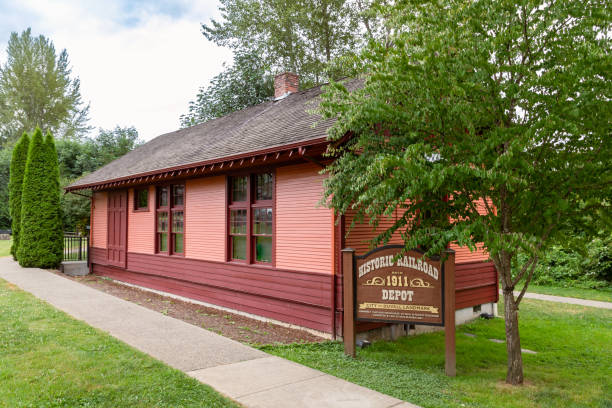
[[140, 62]]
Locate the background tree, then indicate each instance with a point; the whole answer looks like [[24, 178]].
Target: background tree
[[246, 83], [502, 100], [40, 211], [298, 36], [80, 157], [18, 165], [36, 89], [316, 40]]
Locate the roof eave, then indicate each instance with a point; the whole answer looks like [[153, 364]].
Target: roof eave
[[265, 156]]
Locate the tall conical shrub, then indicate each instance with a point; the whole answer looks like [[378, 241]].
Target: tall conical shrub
[[54, 176], [18, 164], [39, 244]]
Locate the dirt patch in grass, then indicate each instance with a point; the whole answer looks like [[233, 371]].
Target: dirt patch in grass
[[234, 326]]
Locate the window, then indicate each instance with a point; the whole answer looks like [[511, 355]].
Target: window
[[251, 218], [170, 219], [141, 199]]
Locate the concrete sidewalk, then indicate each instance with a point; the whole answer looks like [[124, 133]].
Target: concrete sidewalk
[[249, 376], [568, 300]]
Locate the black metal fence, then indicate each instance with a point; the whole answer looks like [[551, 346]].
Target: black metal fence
[[76, 247]]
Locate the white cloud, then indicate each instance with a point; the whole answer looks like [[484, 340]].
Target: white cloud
[[138, 65]]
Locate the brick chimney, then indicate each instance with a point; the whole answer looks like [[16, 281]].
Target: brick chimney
[[285, 84]]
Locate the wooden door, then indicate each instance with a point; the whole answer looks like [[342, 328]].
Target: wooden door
[[117, 228]]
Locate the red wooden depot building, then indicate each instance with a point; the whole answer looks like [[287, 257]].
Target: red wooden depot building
[[227, 212]]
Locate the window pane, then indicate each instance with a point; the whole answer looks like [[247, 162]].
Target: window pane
[[262, 221], [142, 198], [178, 195], [163, 242], [238, 221], [177, 221], [162, 221], [264, 186], [178, 243], [239, 188], [239, 247], [263, 249], [162, 197]]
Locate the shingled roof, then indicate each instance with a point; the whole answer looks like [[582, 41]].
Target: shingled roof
[[271, 124]]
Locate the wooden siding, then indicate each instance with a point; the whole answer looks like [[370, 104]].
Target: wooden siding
[[99, 233], [205, 218], [304, 239], [141, 225], [475, 284], [464, 255], [360, 234], [300, 298]]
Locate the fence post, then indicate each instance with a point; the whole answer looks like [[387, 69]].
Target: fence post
[[80, 248]]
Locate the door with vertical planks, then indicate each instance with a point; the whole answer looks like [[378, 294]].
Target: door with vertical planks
[[117, 228]]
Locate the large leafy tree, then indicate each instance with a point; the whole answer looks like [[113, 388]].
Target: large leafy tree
[[502, 101], [40, 243], [18, 165], [36, 89]]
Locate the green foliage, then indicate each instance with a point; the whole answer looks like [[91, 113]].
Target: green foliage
[[568, 267], [460, 106], [40, 243], [246, 83], [53, 178], [315, 40], [80, 157], [18, 165], [502, 100], [5, 170], [298, 36], [112, 144], [36, 89]]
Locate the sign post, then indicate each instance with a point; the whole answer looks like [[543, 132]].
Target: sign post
[[348, 328], [382, 286], [450, 359]]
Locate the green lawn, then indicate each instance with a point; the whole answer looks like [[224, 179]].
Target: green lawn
[[572, 367], [48, 359], [5, 247], [604, 294]]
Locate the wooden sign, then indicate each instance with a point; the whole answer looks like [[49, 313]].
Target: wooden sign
[[408, 289], [384, 286]]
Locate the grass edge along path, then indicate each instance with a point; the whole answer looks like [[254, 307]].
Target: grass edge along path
[[603, 295], [571, 367], [48, 359]]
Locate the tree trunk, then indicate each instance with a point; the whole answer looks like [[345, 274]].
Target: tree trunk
[[513, 341]]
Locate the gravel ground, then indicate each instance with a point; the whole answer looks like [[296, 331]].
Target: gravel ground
[[234, 326]]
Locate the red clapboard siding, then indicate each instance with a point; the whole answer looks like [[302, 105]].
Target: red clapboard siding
[[97, 256], [205, 218], [360, 234], [300, 298], [141, 225], [475, 284], [304, 238], [100, 220]]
